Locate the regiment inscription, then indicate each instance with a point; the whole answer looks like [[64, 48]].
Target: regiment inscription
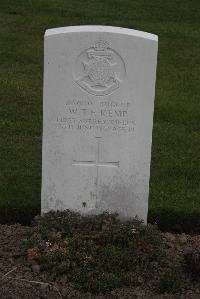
[[101, 116]]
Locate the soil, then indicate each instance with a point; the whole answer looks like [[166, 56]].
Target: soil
[[20, 280]]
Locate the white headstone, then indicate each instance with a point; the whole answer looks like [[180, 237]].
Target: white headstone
[[99, 85]]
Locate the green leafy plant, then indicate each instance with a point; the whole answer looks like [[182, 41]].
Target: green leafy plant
[[96, 253], [170, 282]]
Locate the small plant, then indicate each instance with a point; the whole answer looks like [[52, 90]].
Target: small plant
[[170, 282], [96, 253], [192, 262]]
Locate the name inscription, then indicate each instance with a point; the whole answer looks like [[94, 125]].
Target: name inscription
[[102, 116]]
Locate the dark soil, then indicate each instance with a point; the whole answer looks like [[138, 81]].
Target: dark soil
[[20, 280]]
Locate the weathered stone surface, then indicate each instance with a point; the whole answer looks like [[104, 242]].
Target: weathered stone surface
[[99, 87]]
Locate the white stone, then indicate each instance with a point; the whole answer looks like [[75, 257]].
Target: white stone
[[99, 85]]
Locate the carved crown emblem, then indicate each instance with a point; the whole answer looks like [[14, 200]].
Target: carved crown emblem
[[99, 69], [101, 45]]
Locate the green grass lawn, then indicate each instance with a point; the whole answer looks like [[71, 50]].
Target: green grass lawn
[[175, 169]]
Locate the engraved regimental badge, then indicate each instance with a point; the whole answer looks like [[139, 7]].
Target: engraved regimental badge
[[99, 70]]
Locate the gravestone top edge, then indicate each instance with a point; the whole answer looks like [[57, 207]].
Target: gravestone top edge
[[101, 28]]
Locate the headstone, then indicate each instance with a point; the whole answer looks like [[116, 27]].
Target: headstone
[[99, 85]]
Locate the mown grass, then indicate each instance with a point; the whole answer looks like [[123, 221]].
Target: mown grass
[[175, 169]]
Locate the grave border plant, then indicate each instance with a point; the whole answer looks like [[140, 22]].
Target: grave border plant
[[95, 253]]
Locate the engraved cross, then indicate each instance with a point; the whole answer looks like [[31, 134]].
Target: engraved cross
[[96, 163]]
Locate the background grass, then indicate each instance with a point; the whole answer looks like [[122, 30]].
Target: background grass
[[175, 170]]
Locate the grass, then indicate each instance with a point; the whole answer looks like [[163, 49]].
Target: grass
[[175, 170]]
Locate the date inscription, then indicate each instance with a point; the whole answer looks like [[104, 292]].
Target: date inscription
[[102, 116]]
